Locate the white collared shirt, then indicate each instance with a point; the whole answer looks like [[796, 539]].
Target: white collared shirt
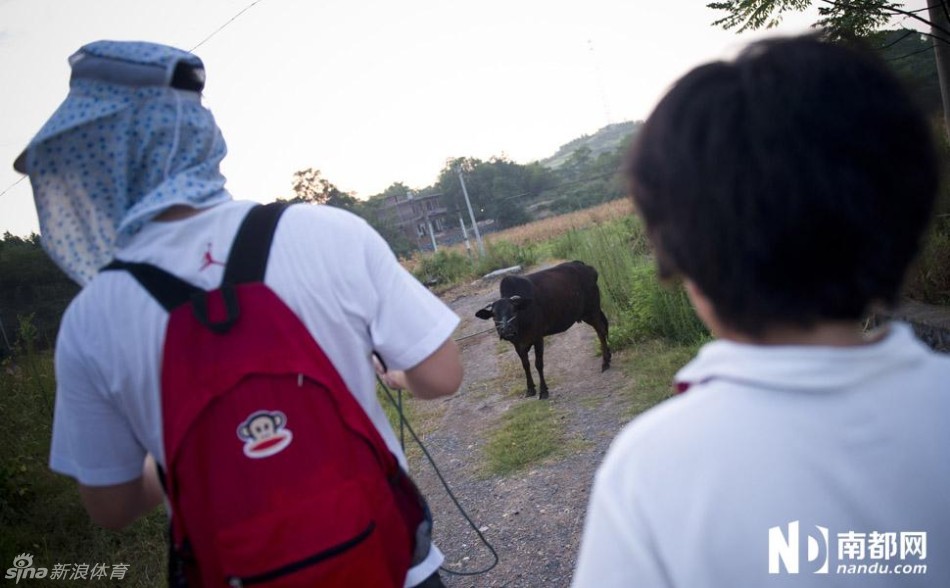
[[847, 447]]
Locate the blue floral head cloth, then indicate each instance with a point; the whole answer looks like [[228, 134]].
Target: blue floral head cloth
[[130, 140]]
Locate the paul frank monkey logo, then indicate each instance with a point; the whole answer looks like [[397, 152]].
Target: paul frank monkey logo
[[264, 434]]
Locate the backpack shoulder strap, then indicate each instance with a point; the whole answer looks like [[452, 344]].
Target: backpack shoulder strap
[[168, 289], [247, 261]]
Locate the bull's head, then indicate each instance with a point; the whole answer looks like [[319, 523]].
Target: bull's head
[[505, 313]]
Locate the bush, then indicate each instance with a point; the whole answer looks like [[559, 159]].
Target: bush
[[40, 512], [929, 278], [450, 266], [502, 254], [446, 266], [637, 306], [31, 284], [673, 316], [654, 310]]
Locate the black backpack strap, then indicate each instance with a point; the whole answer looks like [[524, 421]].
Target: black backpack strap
[[168, 289], [179, 556], [247, 261]]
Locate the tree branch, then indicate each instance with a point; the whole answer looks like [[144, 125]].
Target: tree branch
[[926, 34], [894, 10], [898, 40], [930, 48]]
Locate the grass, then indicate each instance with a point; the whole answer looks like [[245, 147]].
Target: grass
[[524, 245], [421, 415], [528, 433], [40, 512], [392, 402], [651, 367], [540, 232], [929, 277], [637, 305], [612, 240]]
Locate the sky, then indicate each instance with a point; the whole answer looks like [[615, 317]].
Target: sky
[[371, 92]]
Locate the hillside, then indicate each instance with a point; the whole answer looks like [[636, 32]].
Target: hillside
[[605, 140]]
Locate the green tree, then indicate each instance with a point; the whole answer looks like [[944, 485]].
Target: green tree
[[31, 284], [498, 188], [910, 55], [310, 186], [578, 162], [585, 180], [849, 18]]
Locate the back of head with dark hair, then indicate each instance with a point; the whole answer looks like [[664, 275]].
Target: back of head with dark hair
[[791, 185]]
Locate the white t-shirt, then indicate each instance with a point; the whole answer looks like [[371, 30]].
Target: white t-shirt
[[847, 447], [336, 273]]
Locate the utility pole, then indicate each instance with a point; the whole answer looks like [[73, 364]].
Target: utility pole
[[431, 233], [468, 246], [478, 237]]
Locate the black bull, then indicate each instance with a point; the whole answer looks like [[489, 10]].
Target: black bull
[[545, 303]]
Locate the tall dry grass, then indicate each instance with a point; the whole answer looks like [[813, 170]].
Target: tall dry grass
[[608, 237], [537, 232], [545, 229]]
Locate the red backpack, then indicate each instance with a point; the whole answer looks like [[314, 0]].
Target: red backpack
[[275, 474]]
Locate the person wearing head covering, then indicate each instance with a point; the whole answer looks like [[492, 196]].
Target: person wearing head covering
[[128, 168], [131, 140]]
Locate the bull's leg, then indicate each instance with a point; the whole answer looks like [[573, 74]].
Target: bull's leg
[[523, 354], [599, 323], [539, 364]]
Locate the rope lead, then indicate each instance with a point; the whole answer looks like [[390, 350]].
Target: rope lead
[[404, 423]]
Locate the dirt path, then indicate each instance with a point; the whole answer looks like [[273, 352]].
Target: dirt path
[[533, 518]]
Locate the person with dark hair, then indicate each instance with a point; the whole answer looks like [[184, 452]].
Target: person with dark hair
[[788, 189], [128, 169]]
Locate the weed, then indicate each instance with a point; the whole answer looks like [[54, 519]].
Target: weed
[[528, 433], [652, 366], [40, 512]]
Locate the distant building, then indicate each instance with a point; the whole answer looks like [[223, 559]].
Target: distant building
[[420, 218]]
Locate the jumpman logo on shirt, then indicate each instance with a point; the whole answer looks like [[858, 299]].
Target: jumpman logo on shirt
[[208, 260]]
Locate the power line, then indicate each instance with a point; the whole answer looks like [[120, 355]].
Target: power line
[[222, 27], [898, 40], [13, 185], [929, 48], [192, 50]]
